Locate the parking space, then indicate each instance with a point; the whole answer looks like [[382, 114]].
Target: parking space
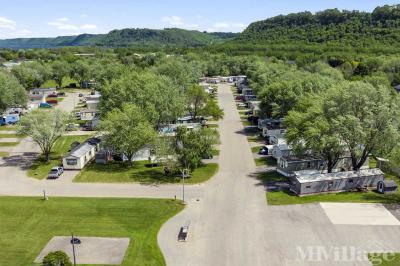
[[359, 214]]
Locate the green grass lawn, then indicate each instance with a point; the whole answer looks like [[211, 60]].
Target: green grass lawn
[[40, 168], [286, 198], [117, 173], [4, 154], [7, 128], [267, 161], [12, 135], [255, 138], [9, 144], [385, 259], [256, 149], [212, 125], [215, 152], [27, 224]]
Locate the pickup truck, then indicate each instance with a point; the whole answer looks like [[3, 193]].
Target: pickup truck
[[9, 119]]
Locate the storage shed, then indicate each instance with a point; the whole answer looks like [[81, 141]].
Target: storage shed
[[314, 182], [387, 186]]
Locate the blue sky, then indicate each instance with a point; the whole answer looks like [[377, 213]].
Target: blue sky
[[49, 18]]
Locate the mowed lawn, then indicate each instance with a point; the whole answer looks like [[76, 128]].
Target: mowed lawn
[[284, 197], [40, 168], [140, 172], [27, 224]]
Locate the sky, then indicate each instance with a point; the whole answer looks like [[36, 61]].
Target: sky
[[50, 18]]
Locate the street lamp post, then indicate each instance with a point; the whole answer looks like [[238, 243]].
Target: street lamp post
[[183, 185], [73, 248]]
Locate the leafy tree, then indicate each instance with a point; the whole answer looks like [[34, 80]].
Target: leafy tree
[[32, 74], [80, 70], [197, 98], [127, 130], [60, 70], [366, 119], [158, 95], [212, 109], [45, 127], [186, 149], [56, 258], [11, 91], [308, 130]]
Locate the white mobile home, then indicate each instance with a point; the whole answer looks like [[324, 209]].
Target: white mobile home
[[81, 155]]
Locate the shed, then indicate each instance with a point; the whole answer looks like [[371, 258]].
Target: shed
[[387, 186], [103, 157]]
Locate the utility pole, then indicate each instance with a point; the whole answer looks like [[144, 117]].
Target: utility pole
[[73, 248], [183, 186]]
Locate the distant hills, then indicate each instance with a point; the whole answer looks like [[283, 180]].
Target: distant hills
[[125, 37], [382, 26], [352, 28]]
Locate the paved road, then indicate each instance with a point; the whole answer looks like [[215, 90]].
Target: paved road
[[232, 224], [227, 225], [69, 102]]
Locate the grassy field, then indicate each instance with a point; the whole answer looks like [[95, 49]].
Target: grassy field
[[139, 172], [5, 136], [27, 224], [40, 168], [286, 198], [267, 161], [8, 144], [7, 128], [385, 259], [3, 154]]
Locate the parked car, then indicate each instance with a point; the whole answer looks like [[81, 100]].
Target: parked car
[[10, 119], [55, 172], [75, 241], [52, 96], [45, 105], [183, 233], [61, 94]]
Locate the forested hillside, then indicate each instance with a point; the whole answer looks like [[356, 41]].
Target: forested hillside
[[330, 26], [125, 37]]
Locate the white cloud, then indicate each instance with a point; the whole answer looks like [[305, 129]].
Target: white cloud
[[83, 16], [178, 22], [88, 27], [222, 25], [227, 26], [6, 23], [64, 24], [173, 20]]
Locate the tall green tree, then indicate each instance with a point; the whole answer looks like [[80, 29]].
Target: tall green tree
[[197, 98], [11, 91], [365, 118], [127, 130], [60, 70], [158, 95], [45, 127], [308, 130]]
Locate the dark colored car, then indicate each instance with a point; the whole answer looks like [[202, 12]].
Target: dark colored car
[[75, 241], [183, 233], [263, 151]]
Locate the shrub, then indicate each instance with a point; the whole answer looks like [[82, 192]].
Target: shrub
[[57, 258]]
